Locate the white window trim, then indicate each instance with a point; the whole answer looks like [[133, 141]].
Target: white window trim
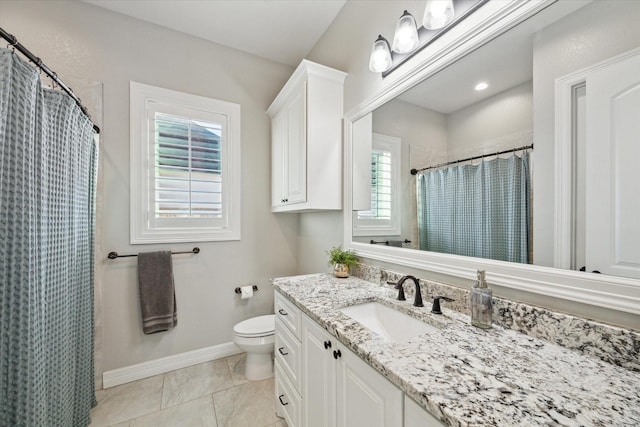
[[141, 229], [363, 227]]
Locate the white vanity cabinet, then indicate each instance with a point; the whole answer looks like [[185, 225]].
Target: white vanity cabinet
[[306, 141], [417, 416], [339, 389], [321, 383], [287, 361]]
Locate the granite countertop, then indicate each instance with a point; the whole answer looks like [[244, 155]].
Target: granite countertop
[[467, 376]]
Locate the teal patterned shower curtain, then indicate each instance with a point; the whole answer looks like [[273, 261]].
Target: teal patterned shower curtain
[[48, 168], [481, 210]]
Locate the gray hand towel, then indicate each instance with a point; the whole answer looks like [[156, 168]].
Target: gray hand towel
[[157, 292]]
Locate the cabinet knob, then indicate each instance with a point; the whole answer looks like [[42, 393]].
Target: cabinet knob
[[282, 352], [281, 402], [336, 354], [281, 311], [327, 344]]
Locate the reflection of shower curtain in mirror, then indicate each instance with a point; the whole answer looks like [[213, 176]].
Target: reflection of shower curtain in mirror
[[477, 210]]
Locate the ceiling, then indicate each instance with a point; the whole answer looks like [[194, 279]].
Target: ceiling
[[283, 31]]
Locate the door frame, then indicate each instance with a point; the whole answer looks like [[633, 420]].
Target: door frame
[[564, 214]]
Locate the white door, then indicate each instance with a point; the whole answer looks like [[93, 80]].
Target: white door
[[364, 397], [613, 169], [318, 376]]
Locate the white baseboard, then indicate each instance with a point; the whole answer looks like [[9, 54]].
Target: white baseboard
[[166, 364]]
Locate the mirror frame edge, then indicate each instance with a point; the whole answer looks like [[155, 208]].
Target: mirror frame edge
[[615, 293]]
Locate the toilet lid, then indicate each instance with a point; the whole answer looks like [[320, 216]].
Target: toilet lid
[[256, 326]]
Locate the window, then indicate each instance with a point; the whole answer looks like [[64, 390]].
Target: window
[[383, 219], [185, 167]]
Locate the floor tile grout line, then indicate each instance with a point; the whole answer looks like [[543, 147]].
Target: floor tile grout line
[[171, 408], [164, 381], [215, 413]]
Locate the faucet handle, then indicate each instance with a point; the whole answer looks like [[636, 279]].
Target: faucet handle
[[436, 304]]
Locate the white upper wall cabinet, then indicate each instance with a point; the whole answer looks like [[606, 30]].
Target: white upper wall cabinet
[[306, 141]]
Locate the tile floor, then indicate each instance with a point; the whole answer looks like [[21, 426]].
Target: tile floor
[[212, 394]]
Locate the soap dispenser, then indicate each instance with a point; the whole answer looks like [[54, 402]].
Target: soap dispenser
[[481, 306]]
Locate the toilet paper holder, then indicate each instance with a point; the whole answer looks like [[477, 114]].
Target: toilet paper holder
[[237, 290]]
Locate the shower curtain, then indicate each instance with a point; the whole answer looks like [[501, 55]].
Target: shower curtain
[[477, 210], [48, 168]]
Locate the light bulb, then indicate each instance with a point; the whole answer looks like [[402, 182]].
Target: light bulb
[[380, 60], [481, 86], [437, 14], [405, 38]]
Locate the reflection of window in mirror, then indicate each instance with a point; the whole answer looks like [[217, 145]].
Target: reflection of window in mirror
[[383, 219]]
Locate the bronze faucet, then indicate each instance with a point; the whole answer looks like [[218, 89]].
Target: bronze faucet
[[418, 299]]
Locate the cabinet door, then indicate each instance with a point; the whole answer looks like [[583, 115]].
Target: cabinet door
[[416, 416], [362, 143], [318, 376], [279, 135], [364, 397], [296, 158]]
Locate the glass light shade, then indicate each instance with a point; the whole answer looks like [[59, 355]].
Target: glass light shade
[[380, 60], [437, 14], [405, 38]]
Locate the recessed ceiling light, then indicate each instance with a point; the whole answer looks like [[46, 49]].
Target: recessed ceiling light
[[481, 86]]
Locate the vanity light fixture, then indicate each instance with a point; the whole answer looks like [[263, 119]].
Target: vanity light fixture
[[380, 60], [438, 14], [439, 17], [481, 86], [405, 38]]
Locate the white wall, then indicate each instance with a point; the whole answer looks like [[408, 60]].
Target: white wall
[[346, 45], [498, 123], [592, 34], [88, 43]]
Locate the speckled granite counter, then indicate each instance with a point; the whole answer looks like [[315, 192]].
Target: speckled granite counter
[[466, 376]]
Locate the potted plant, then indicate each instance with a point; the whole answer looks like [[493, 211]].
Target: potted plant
[[342, 261]]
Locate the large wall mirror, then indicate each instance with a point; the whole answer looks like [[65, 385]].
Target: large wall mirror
[[538, 194]]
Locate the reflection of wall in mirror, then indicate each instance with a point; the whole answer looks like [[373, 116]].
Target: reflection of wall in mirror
[[499, 123]]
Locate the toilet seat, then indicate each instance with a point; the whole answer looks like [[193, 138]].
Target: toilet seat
[[259, 326]]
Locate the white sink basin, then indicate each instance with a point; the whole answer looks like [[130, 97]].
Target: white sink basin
[[391, 324]]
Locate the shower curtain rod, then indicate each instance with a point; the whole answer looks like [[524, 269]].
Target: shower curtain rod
[[512, 150], [13, 41]]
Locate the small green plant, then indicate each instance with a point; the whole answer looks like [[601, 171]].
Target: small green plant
[[339, 256]]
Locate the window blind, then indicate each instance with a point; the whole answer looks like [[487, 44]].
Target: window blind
[[188, 168], [380, 187]]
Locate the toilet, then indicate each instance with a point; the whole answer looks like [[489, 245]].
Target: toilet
[[256, 336]]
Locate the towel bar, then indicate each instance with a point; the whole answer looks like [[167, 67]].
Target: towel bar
[[114, 254], [237, 290], [386, 242]]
